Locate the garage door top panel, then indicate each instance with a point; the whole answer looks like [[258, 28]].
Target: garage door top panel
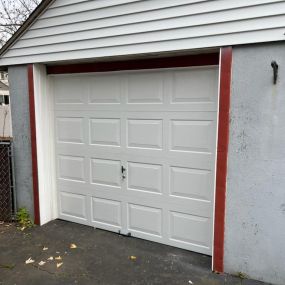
[[184, 89]]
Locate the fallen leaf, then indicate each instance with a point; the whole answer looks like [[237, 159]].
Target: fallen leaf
[[190, 282], [57, 252], [59, 264], [58, 258], [50, 258], [23, 228], [73, 245], [42, 263], [133, 258], [45, 248], [30, 260]]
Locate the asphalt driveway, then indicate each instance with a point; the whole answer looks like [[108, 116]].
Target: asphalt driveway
[[75, 254]]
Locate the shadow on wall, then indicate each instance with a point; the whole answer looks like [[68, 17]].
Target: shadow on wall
[[5, 122]]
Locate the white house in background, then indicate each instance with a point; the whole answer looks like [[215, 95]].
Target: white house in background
[[5, 110]]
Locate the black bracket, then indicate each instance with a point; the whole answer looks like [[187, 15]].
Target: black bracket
[[274, 65]]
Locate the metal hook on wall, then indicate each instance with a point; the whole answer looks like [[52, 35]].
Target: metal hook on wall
[[274, 65]]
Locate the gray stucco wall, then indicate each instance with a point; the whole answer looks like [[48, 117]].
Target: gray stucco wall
[[21, 136], [255, 203]]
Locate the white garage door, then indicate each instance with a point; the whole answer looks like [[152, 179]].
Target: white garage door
[[136, 153]]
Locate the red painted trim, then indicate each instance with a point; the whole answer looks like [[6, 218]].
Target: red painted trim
[[178, 61], [34, 144], [222, 156]]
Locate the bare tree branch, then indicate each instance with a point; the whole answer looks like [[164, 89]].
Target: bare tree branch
[[12, 15]]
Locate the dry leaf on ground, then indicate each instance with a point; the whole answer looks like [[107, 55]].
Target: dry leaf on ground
[[50, 258], [73, 245], [42, 263], [45, 248], [132, 257], [59, 264], [30, 260], [58, 258]]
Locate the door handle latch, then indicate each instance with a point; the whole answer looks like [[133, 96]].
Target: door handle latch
[[123, 170]]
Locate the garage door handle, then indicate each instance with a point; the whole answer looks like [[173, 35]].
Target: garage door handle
[[123, 170]]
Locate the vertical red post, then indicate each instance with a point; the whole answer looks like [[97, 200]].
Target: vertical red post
[[222, 157], [33, 143]]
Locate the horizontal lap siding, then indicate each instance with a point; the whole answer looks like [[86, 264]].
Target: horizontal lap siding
[[86, 29]]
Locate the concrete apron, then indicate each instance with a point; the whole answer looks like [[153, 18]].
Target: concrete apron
[[100, 257]]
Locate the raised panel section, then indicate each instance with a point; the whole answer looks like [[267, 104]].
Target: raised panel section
[[145, 88], [105, 132], [187, 135], [155, 123], [191, 183], [73, 205], [145, 133], [190, 229], [105, 90], [106, 211], [144, 219], [195, 85], [70, 130], [70, 90], [106, 172], [145, 177], [71, 168]]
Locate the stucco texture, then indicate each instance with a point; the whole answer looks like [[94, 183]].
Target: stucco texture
[[255, 203], [18, 79]]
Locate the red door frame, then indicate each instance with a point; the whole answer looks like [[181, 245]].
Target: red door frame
[[222, 157], [225, 61], [34, 144]]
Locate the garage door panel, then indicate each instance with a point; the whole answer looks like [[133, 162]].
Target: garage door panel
[[105, 131], [195, 85], [68, 90], [145, 87], [106, 172], [144, 219], [160, 125], [73, 206], [107, 212], [191, 229], [71, 168], [70, 130], [105, 89], [194, 136], [143, 133], [145, 177], [191, 183]]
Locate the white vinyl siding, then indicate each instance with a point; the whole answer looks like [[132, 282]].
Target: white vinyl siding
[[74, 30]]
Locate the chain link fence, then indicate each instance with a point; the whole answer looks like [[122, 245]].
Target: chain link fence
[[7, 195]]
